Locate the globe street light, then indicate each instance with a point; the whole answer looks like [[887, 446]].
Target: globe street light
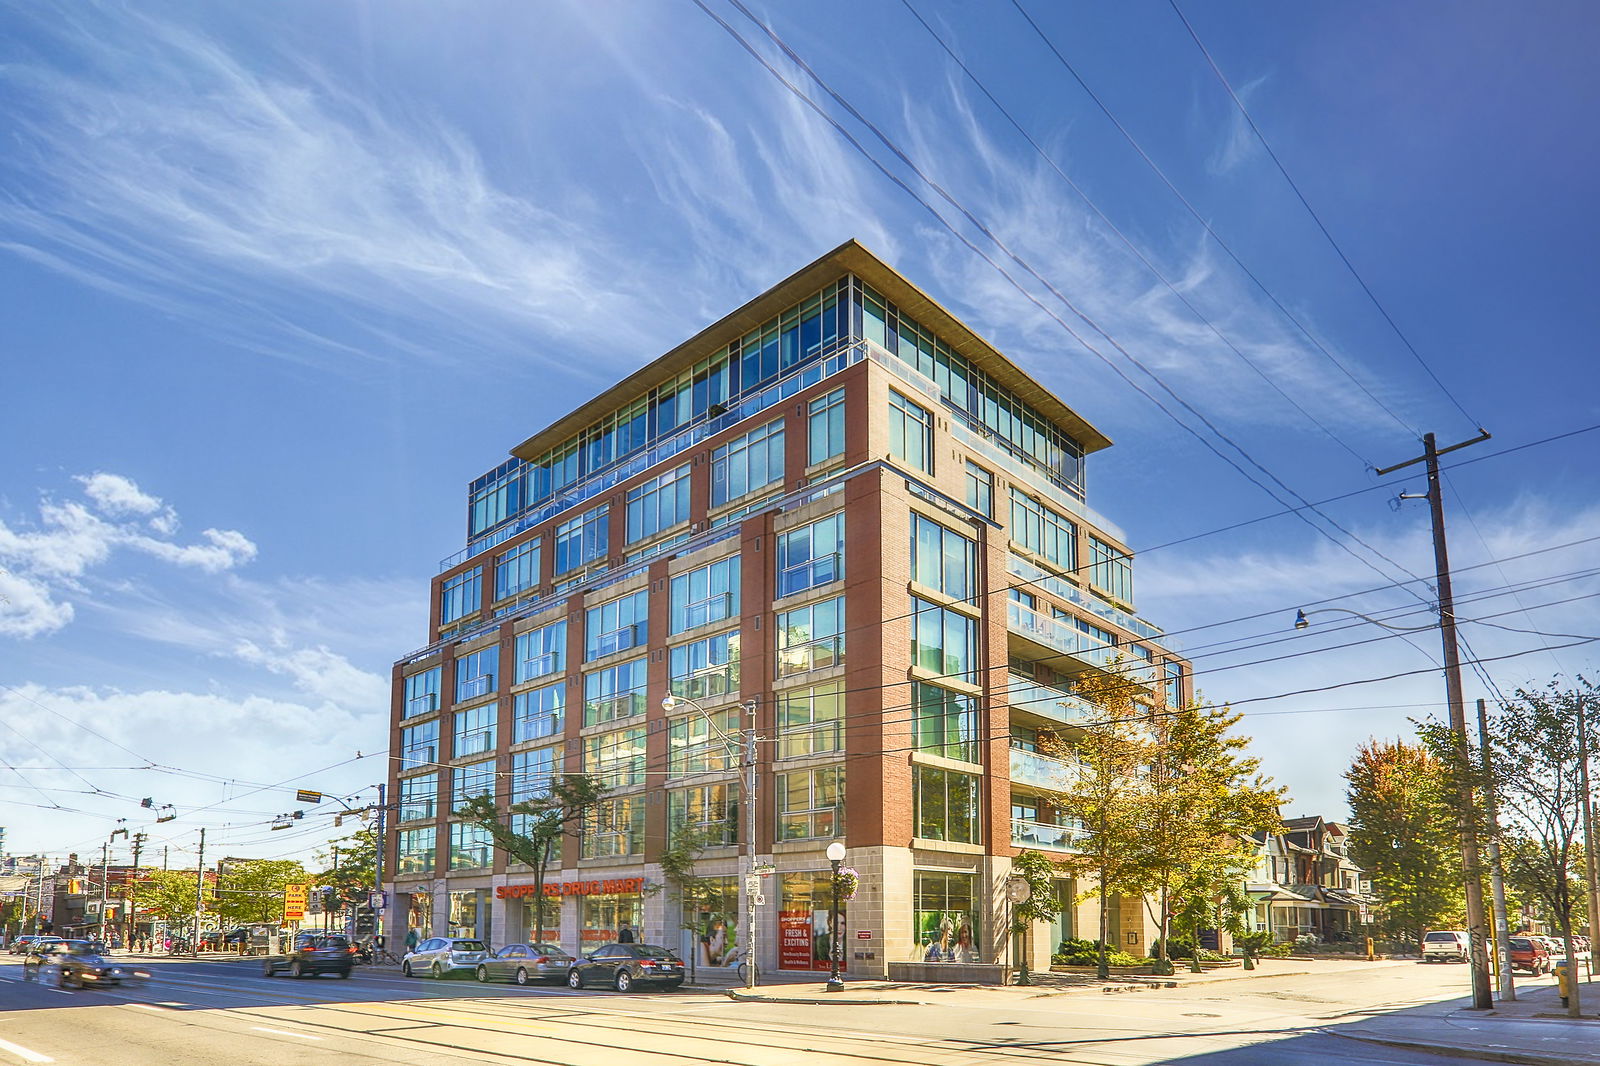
[[835, 982]]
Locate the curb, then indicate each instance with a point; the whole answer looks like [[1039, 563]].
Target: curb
[[1527, 1058], [836, 1000]]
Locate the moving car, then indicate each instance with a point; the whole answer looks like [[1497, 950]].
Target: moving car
[[80, 965], [441, 956], [624, 965], [19, 946], [522, 963], [1444, 945], [1529, 953], [314, 953]]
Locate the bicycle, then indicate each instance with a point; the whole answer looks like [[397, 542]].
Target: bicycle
[[743, 970]]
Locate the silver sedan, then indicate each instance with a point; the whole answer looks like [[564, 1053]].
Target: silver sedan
[[522, 963]]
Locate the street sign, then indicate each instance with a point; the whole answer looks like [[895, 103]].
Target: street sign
[[759, 900], [305, 795], [294, 902], [752, 884], [376, 901], [764, 869]]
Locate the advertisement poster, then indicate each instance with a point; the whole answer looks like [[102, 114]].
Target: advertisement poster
[[794, 940]]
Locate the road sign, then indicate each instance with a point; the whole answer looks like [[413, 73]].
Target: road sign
[[305, 795], [752, 884], [759, 900], [294, 902], [376, 901], [764, 869]]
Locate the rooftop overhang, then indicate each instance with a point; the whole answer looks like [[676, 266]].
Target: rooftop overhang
[[849, 258]]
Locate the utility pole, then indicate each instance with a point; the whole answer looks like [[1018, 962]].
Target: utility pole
[[377, 870], [1477, 928], [127, 915], [199, 892], [1497, 880], [751, 878], [1588, 829], [105, 874]]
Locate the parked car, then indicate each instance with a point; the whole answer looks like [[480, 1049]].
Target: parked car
[[1557, 949], [624, 965], [1444, 945], [1529, 953], [314, 953], [80, 964], [522, 963], [19, 946], [442, 956]]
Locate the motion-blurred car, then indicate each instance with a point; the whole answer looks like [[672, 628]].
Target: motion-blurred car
[[521, 963], [441, 956], [313, 953], [80, 965], [624, 965], [19, 946]]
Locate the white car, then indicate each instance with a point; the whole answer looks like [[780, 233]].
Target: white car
[[1445, 945], [441, 956]]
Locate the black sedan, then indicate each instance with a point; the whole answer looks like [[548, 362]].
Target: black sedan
[[624, 965], [80, 965]]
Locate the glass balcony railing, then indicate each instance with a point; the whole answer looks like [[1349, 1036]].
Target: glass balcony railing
[[1049, 702], [1040, 771], [1066, 590], [1060, 635], [1026, 834]]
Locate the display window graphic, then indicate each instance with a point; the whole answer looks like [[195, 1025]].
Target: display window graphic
[[803, 922]]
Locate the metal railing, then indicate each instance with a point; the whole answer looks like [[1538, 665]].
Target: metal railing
[[538, 666], [1061, 635], [472, 687], [426, 703], [619, 639], [812, 655], [1026, 834], [810, 574], [472, 743], [536, 727], [704, 612]]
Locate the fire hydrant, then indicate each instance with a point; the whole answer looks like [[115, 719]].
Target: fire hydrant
[[1563, 972]]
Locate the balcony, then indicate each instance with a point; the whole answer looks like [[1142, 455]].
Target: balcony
[[819, 571], [1055, 704], [426, 703], [811, 655], [472, 687], [713, 608], [1041, 771], [1058, 586], [709, 683], [611, 708], [538, 666], [1025, 834], [621, 639]]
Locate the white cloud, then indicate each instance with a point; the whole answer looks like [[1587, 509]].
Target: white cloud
[[320, 673], [71, 541]]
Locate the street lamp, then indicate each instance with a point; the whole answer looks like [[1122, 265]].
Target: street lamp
[[1302, 620], [835, 982]]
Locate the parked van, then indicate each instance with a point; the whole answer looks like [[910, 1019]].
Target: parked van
[[1444, 945]]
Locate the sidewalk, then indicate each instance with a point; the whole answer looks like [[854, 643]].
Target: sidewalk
[[1533, 1029]]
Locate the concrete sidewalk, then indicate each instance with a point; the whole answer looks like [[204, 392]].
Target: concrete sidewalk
[[1533, 1029]]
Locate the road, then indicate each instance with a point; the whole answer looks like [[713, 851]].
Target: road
[[215, 1013]]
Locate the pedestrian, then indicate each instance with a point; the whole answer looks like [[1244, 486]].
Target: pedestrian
[[625, 935], [411, 941]]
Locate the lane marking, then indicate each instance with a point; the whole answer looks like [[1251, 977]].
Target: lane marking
[[24, 1053], [284, 1032]]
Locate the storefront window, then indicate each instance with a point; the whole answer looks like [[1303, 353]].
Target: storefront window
[[551, 933], [419, 916], [469, 914], [713, 917], [803, 921], [945, 921], [604, 918]]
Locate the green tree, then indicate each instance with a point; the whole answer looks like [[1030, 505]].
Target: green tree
[[693, 892], [350, 865], [539, 823], [1104, 796], [166, 895], [1042, 905], [1203, 797], [251, 891], [1404, 833]]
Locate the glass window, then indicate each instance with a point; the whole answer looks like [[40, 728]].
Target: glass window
[[811, 803], [614, 827], [1172, 683], [496, 496], [711, 810], [539, 712], [1043, 531], [418, 796], [532, 772], [617, 758], [417, 849], [947, 805], [582, 539], [470, 846], [474, 730], [516, 570], [811, 637], [477, 673], [825, 428], [944, 722], [657, 504], [616, 626], [422, 692], [705, 595], [946, 919], [942, 559], [472, 780], [811, 720], [747, 463], [419, 745], [459, 595], [944, 641], [703, 743], [811, 555], [613, 693], [910, 433], [1111, 570], [980, 489], [705, 669], [542, 651]]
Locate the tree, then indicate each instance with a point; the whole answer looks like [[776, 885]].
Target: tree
[[1203, 797], [1041, 905], [1103, 796], [355, 872], [1404, 833], [533, 829], [166, 895], [684, 845], [251, 892]]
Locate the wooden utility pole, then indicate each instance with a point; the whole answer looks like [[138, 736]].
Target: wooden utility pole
[[1477, 927], [1497, 880], [1588, 831]]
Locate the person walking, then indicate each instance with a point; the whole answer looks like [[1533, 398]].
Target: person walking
[[411, 941], [625, 935]]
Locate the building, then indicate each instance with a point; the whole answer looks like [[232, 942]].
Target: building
[[841, 508], [1305, 882]]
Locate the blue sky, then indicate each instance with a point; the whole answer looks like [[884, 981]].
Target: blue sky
[[279, 279]]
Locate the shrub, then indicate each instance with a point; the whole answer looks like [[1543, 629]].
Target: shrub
[[1077, 952]]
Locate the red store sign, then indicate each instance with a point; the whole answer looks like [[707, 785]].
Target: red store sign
[[616, 886]]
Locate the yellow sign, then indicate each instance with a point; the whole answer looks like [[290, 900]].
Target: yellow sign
[[294, 902]]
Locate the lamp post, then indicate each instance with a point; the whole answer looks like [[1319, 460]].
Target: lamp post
[[836, 948]]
